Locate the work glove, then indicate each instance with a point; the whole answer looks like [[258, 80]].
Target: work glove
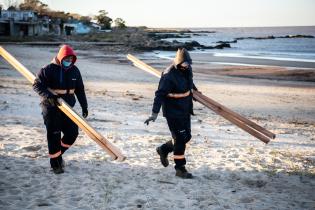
[[53, 100], [151, 118], [85, 112]]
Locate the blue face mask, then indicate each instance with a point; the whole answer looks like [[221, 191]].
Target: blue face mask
[[66, 63]]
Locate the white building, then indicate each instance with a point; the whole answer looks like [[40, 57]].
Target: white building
[[19, 23]]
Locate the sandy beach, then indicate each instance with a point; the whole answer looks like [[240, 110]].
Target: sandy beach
[[232, 169]]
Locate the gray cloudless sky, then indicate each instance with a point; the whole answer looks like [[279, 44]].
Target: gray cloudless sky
[[197, 13]]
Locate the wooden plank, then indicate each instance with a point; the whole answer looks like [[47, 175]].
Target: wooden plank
[[237, 116], [90, 131], [65, 108], [142, 65], [240, 121], [17, 65], [233, 120]]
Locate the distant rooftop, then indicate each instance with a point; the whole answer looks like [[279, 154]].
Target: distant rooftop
[[18, 15]]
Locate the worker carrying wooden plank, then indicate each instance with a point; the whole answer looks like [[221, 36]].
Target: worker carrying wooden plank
[[57, 92], [242, 122], [174, 94], [64, 78]]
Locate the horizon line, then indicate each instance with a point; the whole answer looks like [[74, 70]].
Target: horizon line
[[224, 26]]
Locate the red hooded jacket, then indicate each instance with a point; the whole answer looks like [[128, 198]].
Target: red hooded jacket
[[65, 51]]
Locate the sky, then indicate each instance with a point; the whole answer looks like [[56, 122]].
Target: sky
[[197, 13]]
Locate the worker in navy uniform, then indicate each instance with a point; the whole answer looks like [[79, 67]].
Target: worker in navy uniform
[[174, 94], [64, 78]]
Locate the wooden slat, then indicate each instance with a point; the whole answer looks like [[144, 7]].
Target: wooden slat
[[233, 120], [65, 108], [17, 65], [142, 65], [237, 116]]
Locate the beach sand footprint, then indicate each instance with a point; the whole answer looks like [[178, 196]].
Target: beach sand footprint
[[33, 148], [247, 199], [254, 182]]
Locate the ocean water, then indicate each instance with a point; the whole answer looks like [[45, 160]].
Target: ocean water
[[284, 49]]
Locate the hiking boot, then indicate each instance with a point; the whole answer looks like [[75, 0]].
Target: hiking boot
[[57, 165], [183, 173], [163, 156], [57, 170]]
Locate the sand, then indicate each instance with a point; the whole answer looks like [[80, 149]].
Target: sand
[[232, 169]]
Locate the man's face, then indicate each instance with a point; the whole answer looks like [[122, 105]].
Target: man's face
[[68, 58], [184, 66]]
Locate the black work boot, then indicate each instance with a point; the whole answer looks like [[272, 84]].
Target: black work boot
[[163, 156], [56, 165], [183, 173], [62, 163]]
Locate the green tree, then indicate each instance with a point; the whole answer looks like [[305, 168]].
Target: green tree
[[12, 8], [85, 19], [58, 14], [103, 19], [120, 23], [34, 5]]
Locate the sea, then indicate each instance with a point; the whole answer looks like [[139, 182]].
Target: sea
[[282, 49]]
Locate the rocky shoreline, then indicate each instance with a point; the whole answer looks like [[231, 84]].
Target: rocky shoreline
[[139, 39], [298, 36], [162, 44]]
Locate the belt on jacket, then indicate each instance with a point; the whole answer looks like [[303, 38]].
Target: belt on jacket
[[179, 95], [63, 91]]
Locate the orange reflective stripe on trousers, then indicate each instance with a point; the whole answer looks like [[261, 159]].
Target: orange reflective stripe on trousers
[[57, 154], [65, 145], [178, 157]]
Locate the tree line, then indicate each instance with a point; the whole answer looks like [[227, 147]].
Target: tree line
[[42, 9]]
